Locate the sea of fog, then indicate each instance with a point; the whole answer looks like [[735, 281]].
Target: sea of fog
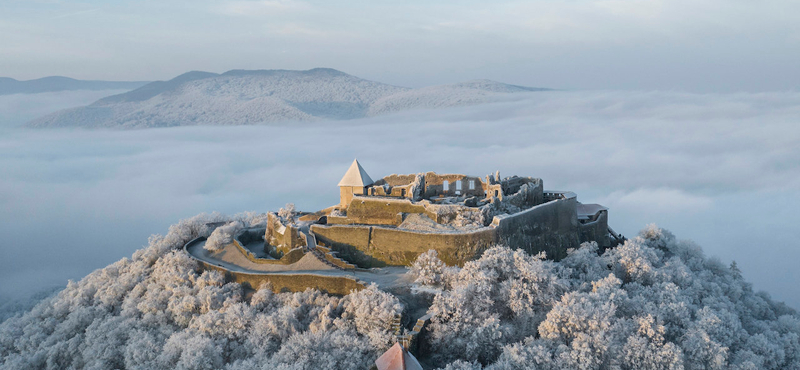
[[720, 169]]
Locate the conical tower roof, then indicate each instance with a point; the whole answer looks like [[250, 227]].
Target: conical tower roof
[[356, 176], [397, 358]]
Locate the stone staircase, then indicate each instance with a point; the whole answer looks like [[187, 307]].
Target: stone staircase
[[330, 257], [324, 260], [616, 239], [324, 254], [397, 323], [407, 339]]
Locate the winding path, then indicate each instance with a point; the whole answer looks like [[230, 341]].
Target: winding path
[[231, 259]]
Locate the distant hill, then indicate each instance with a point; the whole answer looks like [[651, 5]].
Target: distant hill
[[59, 83], [241, 97]]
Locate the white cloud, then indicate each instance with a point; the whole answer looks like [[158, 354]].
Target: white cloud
[[16, 109], [655, 201]]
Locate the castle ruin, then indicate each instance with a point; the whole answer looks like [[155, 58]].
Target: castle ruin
[[394, 219], [387, 223]]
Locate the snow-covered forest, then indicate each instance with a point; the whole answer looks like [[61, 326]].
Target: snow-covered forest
[[654, 302], [242, 97]]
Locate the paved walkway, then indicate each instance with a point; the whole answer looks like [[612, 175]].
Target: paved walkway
[[233, 260]]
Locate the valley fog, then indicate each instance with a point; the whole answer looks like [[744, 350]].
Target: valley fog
[[719, 169]]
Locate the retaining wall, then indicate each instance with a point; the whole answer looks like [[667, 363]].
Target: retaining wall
[[376, 246], [551, 227], [340, 285]]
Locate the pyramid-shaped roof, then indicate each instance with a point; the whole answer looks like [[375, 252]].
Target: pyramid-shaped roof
[[356, 176], [397, 358]]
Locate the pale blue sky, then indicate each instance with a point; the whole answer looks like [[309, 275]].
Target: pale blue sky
[[694, 45]]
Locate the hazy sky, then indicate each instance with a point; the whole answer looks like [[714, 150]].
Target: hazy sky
[[691, 45]]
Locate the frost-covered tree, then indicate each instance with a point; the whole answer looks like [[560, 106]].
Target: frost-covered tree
[[428, 269], [157, 310], [653, 303], [223, 236], [501, 296], [372, 311], [288, 213]]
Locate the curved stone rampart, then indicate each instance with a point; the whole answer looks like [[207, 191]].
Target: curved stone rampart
[[283, 281]]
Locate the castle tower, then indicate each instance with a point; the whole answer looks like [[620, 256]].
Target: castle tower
[[397, 358], [354, 182]]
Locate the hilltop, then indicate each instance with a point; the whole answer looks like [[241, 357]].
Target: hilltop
[[59, 83], [243, 97], [653, 303]]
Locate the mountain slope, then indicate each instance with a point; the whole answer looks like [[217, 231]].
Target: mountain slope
[[58, 83], [241, 97]]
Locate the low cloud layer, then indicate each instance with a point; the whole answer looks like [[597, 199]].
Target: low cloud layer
[[719, 169], [17, 109]]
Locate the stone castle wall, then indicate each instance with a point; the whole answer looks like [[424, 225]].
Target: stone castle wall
[[550, 227], [339, 285], [390, 211], [596, 231], [283, 282], [434, 185], [284, 237]]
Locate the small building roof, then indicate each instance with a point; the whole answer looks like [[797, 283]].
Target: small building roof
[[589, 211], [356, 176], [397, 358]]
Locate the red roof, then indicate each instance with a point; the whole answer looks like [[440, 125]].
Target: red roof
[[397, 358]]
